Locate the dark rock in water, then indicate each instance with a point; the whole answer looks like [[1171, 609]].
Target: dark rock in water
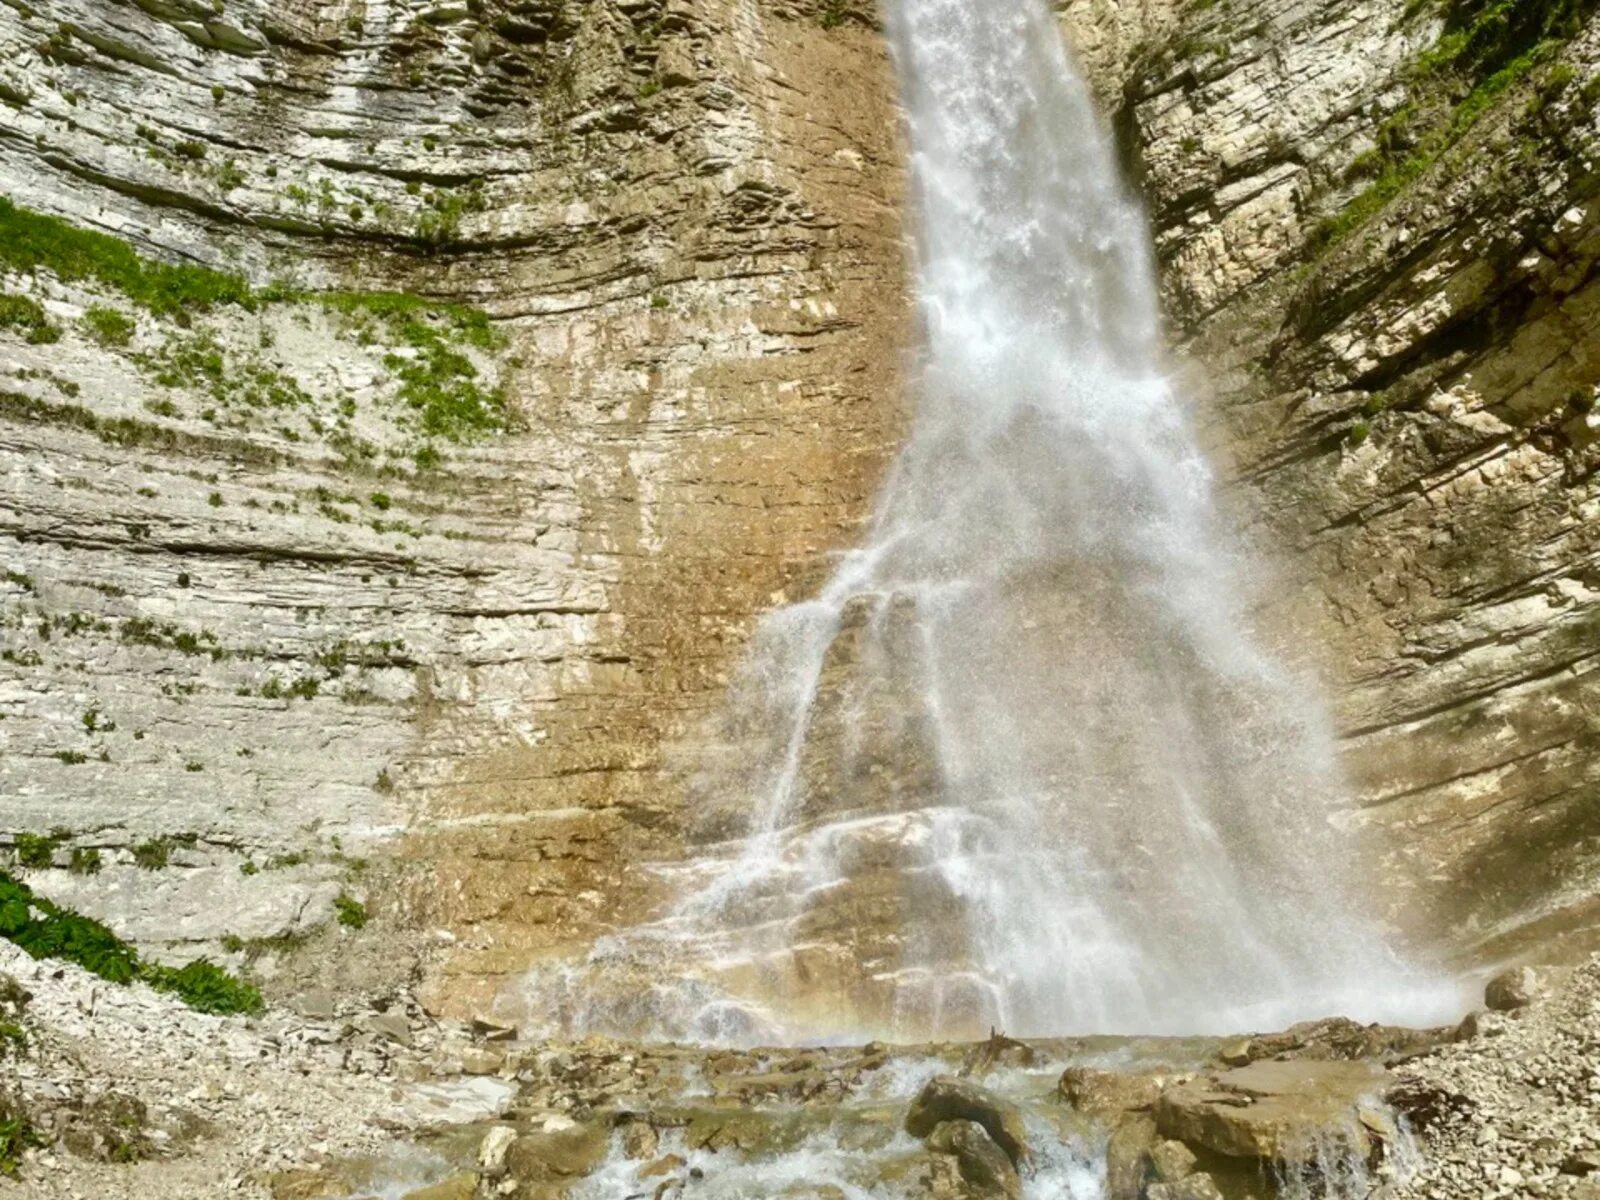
[[1512, 990], [984, 1166], [1268, 1109], [946, 1098]]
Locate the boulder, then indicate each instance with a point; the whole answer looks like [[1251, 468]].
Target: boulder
[[457, 1187], [563, 1154], [1098, 1093], [1268, 1110], [1192, 1187], [1512, 989], [988, 1172], [1128, 1158], [1172, 1161], [945, 1098], [493, 1149]]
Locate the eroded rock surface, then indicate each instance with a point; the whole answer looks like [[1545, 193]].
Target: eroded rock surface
[[1385, 268], [356, 639]]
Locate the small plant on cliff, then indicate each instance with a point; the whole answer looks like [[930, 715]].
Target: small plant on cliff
[[85, 861], [24, 315], [35, 851], [154, 854], [108, 326], [833, 14], [352, 913], [1487, 48], [16, 1135]]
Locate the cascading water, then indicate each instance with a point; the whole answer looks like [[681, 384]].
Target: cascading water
[[1021, 763]]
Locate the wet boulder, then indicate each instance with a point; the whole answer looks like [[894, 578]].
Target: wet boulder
[[986, 1170], [1512, 989], [946, 1098], [1274, 1110], [1198, 1186], [1102, 1094], [457, 1187]]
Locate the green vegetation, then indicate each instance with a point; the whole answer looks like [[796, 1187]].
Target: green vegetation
[[46, 930], [16, 1135], [439, 385], [352, 912], [85, 861], [25, 314], [1487, 48], [153, 855], [833, 14], [108, 326], [35, 851], [30, 240]]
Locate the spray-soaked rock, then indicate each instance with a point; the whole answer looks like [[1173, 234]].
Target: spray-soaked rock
[[1512, 989], [1272, 1110], [1099, 1093], [1192, 1187], [984, 1166], [948, 1099]]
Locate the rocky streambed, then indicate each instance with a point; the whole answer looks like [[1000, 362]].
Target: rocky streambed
[[124, 1093]]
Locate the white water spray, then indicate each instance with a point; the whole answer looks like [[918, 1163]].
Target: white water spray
[[1021, 763]]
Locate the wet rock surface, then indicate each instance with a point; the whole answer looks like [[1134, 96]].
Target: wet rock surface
[[1272, 1110]]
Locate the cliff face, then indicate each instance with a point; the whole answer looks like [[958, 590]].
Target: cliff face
[[289, 619], [298, 604], [1377, 224]]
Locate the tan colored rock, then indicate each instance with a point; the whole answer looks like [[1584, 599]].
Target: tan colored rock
[[1199, 1186], [1128, 1158], [563, 1154], [457, 1187], [1099, 1093], [1268, 1110], [1172, 1161], [493, 1149]]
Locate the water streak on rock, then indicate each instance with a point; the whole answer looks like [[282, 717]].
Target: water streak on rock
[[1021, 762]]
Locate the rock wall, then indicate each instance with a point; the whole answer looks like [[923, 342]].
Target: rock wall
[[281, 630], [276, 634], [1378, 229]]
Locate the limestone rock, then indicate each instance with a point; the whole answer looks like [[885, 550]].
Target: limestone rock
[[457, 1187], [559, 1155], [1268, 1110], [1098, 1093], [1512, 989], [945, 1098], [1199, 1186], [1128, 1157], [493, 1149], [985, 1167], [1172, 1161]]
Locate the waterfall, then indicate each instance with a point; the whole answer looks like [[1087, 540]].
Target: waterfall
[[1021, 762]]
